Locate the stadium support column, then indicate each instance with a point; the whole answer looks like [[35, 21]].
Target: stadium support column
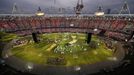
[[0, 47], [131, 36], [0, 37], [89, 36], [34, 35], [102, 33]]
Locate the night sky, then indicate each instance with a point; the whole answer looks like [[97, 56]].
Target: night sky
[[30, 6]]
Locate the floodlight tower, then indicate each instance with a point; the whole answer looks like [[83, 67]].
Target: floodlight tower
[[79, 7], [15, 9], [125, 8], [100, 11], [40, 12]]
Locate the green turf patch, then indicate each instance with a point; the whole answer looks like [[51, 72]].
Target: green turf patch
[[6, 37], [71, 46]]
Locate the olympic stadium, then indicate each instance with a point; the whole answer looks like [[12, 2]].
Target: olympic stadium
[[67, 44]]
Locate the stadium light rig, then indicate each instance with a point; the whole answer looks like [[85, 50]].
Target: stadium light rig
[[99, 12], [39, 12], [79, 7]]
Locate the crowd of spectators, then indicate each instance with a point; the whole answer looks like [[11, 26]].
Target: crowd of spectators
[[116, 28]]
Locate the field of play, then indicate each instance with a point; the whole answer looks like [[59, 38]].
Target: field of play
[[66, 49]]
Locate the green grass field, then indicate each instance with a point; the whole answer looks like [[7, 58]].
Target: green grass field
[[71, 46], [7, 37]]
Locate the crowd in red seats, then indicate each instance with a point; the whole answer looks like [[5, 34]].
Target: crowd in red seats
[[25, 25]]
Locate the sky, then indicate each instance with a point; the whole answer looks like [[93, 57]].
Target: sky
[[51, 6]]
